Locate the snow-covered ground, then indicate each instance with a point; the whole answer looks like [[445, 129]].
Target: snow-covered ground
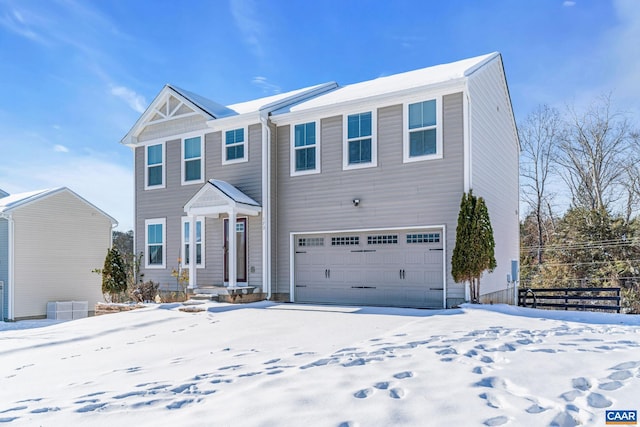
[[267, 364]]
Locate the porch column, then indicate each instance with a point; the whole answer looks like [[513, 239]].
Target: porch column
[[192, 251], [233, 251]]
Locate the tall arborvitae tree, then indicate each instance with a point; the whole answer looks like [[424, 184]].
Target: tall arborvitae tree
[[114, 275], [473, 253]]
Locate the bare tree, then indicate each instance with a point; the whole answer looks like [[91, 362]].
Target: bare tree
[[593, 154], [539, 137]]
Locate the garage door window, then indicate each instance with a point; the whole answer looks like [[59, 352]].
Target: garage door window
[[345, 241], [383, 240], [311, 241], [423, 238]]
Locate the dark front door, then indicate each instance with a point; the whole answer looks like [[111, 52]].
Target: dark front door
[[241, 249]]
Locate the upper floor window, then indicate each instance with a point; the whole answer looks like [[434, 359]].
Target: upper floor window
[[186, 240], [234, 147], [155, 243], [304, 152], [359, 148], [154, 154], [423, 138], [192, 164]]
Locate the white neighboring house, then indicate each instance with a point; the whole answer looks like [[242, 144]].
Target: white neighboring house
[[50, 241]]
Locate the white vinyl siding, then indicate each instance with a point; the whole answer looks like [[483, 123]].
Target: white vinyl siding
[[154, 176], [234, 146], [58, 241], [422, 130], [305, 149], [186, 236], [192, 160], [360, 143], [155, 243]]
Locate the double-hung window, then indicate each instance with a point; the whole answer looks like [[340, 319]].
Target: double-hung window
[[359, 149], [155, 237], [192, 163], [234, 147], [154, 158], [423, 137], [305, 157], [186, 240]]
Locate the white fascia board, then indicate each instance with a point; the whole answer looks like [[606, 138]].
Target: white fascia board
[[370, 103], [233, 122]]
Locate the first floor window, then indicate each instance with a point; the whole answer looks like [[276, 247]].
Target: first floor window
[[234, 145], [305, 147], [422, 131], [155, 243], [186, 241]]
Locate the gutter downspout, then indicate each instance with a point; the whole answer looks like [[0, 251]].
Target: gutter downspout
[[266, 203], [11, 262]]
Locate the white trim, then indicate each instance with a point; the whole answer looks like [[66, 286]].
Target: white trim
[[405, 131], [163, 164], [183, 254], [246, 249], [245, 144], [11, 269], [183, 160], [292, 142], [466, 138], [266, 205], [155, 221], [346, 140], [369, 103], [293, 234]]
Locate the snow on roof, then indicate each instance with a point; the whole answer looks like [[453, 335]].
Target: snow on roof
[[258, 104], [15, 200], [231, 191], [211, 107], [395, 83]]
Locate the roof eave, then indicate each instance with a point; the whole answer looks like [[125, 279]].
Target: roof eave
[[380, 99]]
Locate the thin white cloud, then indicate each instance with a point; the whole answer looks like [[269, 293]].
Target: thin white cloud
[[568, 3], [247, 19], [135, 101], [24, 24], [60, 148], [267, 87]]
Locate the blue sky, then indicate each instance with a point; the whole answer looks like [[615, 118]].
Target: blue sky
[[76, 75]]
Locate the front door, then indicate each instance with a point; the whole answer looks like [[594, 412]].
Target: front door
[[241, 249]]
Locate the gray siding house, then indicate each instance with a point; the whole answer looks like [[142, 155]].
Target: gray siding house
[[50, 241], [337, 194]]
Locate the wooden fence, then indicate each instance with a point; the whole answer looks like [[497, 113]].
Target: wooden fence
[[594, 299]]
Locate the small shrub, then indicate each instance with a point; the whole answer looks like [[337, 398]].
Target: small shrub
[[145, 291]]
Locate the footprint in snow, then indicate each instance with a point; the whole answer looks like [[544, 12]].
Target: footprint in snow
[[397, 393], [403, 375], [620, 375], [364, 393], [596, 400], [496, 421], [581, 383]]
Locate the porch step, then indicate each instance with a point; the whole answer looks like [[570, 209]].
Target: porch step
[[204, 297]]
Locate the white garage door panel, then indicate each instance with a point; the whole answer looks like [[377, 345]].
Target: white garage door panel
[[383, 268]]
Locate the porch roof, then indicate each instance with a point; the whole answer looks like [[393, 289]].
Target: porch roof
[[219, 197]]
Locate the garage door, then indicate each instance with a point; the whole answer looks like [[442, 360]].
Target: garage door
[[370, 268]]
